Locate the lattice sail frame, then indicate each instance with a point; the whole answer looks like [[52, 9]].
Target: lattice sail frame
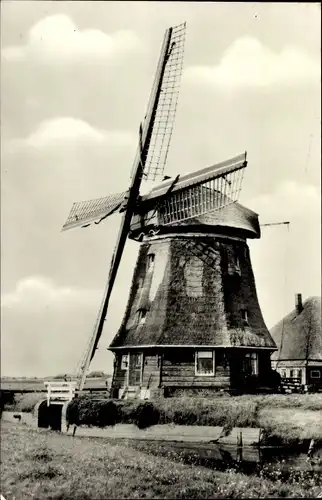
[[165, 115], [85, 212], [197, 194]]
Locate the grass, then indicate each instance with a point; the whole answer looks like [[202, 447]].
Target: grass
[[25, 402], [46, 465]]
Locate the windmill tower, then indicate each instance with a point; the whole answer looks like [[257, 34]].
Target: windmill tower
[[193, 320]]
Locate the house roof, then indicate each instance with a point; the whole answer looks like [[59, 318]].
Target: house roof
[[299, 336]]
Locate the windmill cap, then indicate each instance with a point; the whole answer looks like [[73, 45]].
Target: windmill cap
[[233, 219]]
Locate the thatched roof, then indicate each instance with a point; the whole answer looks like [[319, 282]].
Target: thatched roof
[[299, 336], [193, 304]]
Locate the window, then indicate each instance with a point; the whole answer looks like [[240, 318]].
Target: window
[[283, 373], [137, 359], [244, 315], [315, 374], [299, 374], [291, 373], [150, 261], [124, 361], [205, 363], [141, 316], [237, 265], [251, 363], [233, 263]]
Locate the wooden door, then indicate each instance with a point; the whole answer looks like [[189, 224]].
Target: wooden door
[[135, 369]]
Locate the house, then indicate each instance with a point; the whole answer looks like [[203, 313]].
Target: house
[[193, 323], [298, 337]]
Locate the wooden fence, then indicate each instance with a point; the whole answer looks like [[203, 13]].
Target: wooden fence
[[60, 391], [291, 384]]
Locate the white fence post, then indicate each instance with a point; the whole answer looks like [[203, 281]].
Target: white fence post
[[58, 392]]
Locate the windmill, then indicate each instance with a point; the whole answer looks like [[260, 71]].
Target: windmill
[[173, 210]]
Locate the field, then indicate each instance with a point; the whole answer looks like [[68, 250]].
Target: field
[[44, 464], [37, 384]]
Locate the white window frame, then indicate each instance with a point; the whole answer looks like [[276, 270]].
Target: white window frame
[[151, 260], [202, 353], [315, 371], [124, 359], [141, 316], [244, 315], [237, 265], [253, 356]]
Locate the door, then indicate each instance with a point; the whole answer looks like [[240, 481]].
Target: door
[[135, 369]]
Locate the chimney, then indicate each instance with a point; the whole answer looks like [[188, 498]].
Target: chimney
[[298, 303]]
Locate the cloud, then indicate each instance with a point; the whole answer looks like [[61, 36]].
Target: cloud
[[45, 327], [247, 63], [56, 37], [289, 201], [72, 130], [37, 292], [287, 259]]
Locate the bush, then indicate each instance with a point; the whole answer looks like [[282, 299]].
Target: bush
[[145, 415], [181, 411], [98, 374], [86, 411]]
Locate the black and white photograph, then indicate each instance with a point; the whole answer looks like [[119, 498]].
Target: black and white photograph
[[160, 250]]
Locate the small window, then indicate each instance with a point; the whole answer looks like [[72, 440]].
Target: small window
[[283, 373], [141, 316], [233, 264], [251, 363], [151, 257], [124, 361], [315, 374], [205, 363], [291, 373], [244, 315], [299, 374], [237, 265]]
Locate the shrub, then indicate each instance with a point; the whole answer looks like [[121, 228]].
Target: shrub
[[90, 412], [98, 374], [145, 415]]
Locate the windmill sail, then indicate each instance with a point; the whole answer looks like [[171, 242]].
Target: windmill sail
[[196, 194], [155, 157], [133, 194], [84, 212]]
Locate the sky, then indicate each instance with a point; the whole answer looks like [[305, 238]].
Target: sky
[[75, 82]]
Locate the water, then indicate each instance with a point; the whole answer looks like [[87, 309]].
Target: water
[[272, 462]]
